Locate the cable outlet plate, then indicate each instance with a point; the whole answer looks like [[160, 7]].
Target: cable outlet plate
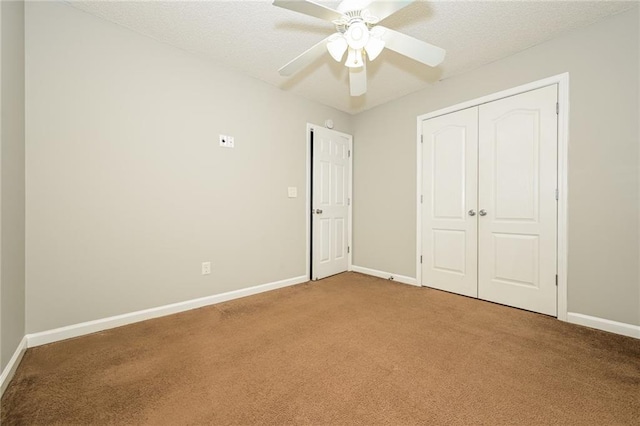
[[227, 141]]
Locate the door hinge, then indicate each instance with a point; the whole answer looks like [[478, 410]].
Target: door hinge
[[556, 280], [421, 138], [421, 259], [348, 249], [348, 201], [557, 195], [421, 199], [557, 107], [348, 153]]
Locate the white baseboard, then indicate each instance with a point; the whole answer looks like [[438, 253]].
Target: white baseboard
[[81, 329], [12, 366], [386, 275], [604, 324]]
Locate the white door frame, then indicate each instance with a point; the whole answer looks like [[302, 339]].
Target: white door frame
[[307, 210], [562, 80]]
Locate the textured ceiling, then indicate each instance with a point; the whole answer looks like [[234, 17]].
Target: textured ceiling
[[256, 38]]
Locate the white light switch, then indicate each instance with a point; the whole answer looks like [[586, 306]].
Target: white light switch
[[293, 191]]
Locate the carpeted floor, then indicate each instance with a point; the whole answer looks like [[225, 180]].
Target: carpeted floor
[[350, 349]]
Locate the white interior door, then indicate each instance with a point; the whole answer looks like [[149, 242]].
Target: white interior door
[[330, 202], [449, 182], [517, 201]]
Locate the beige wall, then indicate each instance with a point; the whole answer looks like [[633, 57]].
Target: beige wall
[[128, 191], [127, 188], [12, 184], [603, 163]]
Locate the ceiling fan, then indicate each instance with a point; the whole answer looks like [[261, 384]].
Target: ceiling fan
[[359, 35]]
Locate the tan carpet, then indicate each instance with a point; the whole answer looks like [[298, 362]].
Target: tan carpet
[[350, 349]]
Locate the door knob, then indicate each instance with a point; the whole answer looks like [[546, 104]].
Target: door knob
[[482, 212], [472, 212], [318, 211]]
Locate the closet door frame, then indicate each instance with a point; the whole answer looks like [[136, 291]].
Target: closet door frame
[[562, 80]]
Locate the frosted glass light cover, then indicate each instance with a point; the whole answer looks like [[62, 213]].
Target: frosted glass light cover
[[337, 47], [374, 47]]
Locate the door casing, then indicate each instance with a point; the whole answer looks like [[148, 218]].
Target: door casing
[[562, 80], [308, 205]]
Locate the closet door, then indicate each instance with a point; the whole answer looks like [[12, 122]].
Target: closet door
[[517, 201], [449, 184]]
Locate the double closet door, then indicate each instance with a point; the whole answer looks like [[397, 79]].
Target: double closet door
[[489, 216]]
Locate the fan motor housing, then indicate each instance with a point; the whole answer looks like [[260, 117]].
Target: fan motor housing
[[352, 5]]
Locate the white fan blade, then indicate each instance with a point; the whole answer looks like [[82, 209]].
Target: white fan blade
[[358, 80], [305, 59], [413, 48], [383, 8], [309, 8]]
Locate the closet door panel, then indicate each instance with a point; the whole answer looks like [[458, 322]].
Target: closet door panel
[[518, 208], [449, 182]]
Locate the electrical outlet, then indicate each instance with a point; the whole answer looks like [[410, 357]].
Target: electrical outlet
[[206, 268], [230, 142]]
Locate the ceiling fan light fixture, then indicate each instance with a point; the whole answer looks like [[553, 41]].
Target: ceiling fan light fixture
[[337, 47], [357, 35], [374, 47], [354, 58]]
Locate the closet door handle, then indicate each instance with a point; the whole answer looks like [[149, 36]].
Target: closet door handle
[[472, 212], [482, 212]]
